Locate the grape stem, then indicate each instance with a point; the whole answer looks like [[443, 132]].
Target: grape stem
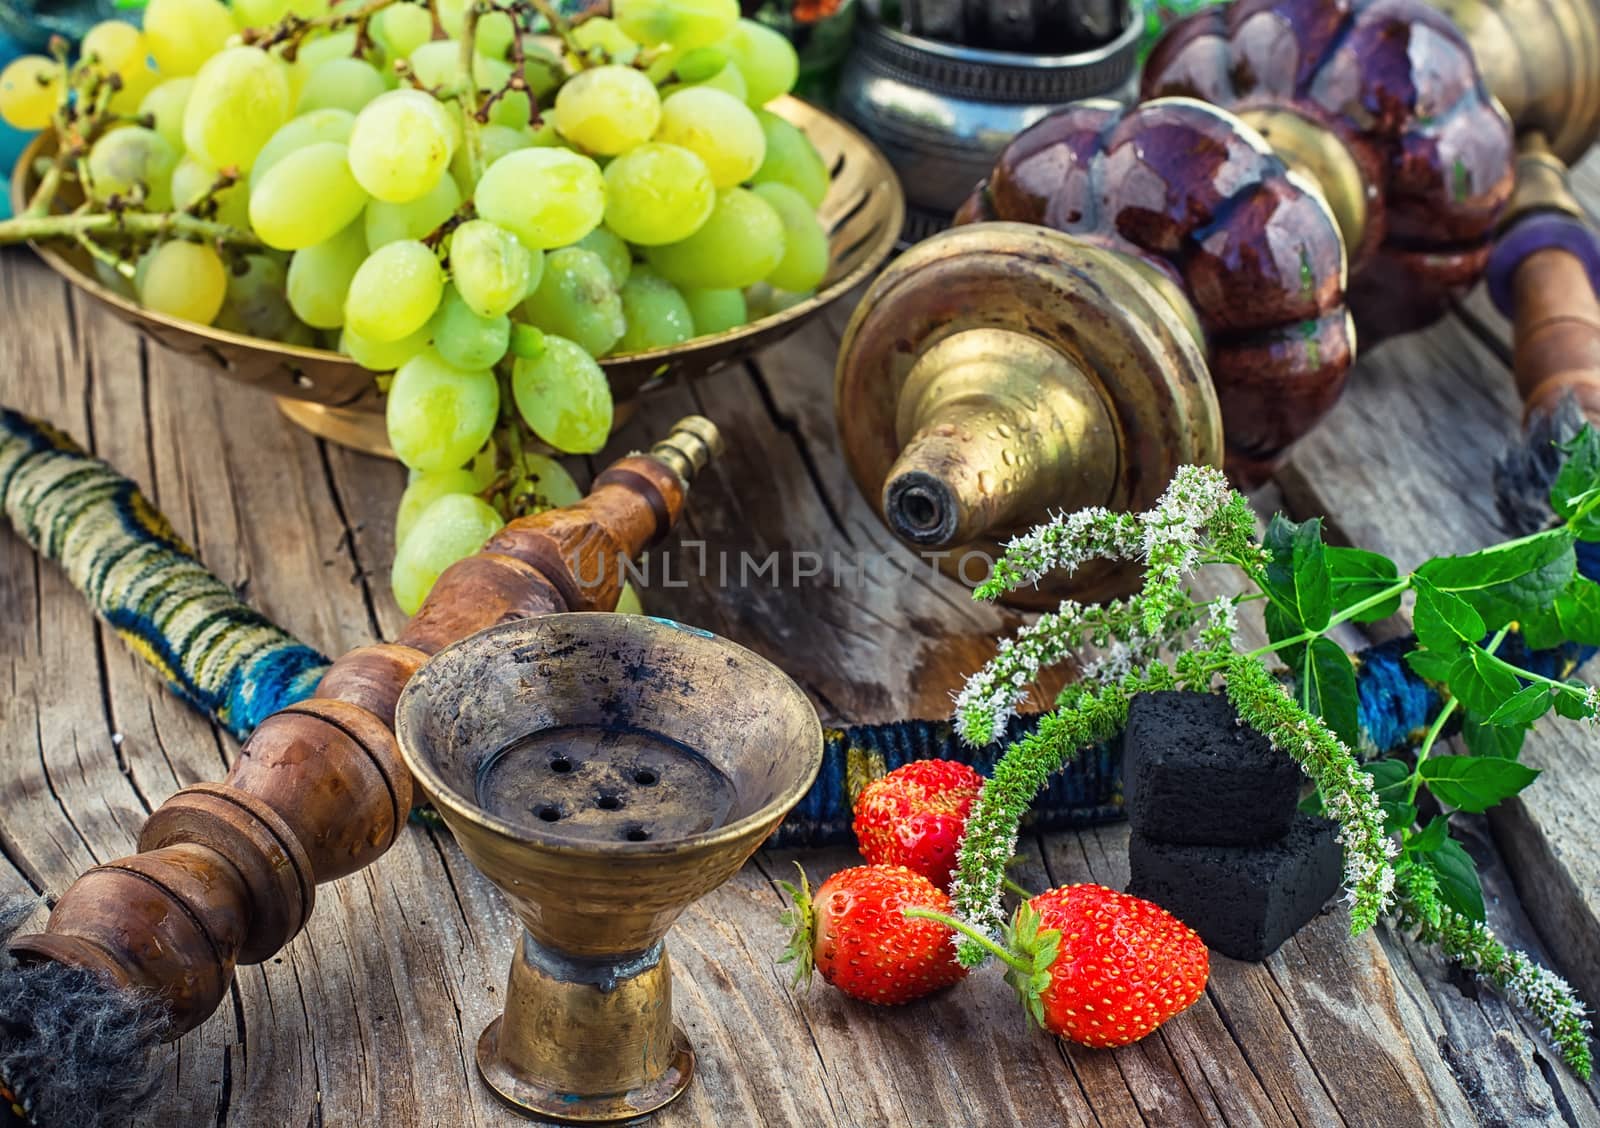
[[292, 30], [80, 225], [468, 91]]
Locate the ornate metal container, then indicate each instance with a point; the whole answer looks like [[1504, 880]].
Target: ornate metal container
[[941, 113]]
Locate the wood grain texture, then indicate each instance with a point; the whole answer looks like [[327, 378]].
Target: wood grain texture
[[370, 1016]]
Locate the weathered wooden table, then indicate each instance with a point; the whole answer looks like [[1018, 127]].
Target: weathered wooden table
[[371, 1015]]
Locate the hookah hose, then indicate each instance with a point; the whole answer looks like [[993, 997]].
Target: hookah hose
[[234, 665]]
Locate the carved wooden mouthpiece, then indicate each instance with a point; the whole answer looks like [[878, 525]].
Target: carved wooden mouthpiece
[[227, 872]]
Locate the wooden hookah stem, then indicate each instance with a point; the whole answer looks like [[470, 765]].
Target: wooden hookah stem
[[1556, 318], [227, 872]]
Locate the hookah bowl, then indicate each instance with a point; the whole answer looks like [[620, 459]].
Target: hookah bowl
[[604, 771]]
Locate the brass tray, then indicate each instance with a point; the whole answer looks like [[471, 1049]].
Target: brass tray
[[332, 396]]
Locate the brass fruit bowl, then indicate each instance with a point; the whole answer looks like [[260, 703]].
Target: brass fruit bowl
[[332, 396]]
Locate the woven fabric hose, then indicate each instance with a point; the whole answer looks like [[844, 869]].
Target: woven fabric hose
[[212, 650]]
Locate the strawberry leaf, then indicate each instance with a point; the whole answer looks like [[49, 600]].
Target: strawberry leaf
[[801, 922]]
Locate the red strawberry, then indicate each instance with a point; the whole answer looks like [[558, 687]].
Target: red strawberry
[[1114, 967], [854, 934], [915, 816]]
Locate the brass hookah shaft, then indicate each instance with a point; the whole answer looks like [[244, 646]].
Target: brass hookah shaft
[[1180, 292], [227, 872]]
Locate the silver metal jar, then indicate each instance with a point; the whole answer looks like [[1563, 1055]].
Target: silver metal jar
[[941, 113]]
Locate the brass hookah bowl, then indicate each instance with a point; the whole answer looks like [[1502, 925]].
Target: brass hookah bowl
[[1179, 282]]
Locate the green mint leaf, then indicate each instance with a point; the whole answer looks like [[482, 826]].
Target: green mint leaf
[[1431, 837], [1358, 574], [1573, 703], [1397, 816], [1483, 739], [1578, 481], [1578, 612], [1431, 665], [1389, 777], [1443, 620], [1281, 625], [1328, 688], [1510, 580], [1481, 682], [1522, 708], [1541, 630], [1458, 878], [1473, 783], [1312, 804], [1297, 575]]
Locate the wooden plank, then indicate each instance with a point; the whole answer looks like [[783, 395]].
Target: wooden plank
[[373, 1013]]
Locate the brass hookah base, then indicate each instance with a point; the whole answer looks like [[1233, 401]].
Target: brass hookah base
[[604, 772]]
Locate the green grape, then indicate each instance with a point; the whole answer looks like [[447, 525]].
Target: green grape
[[388, 222], [628, 601], [125, 158], [610, 247], [305, 130], [116, 47], [492, 271], [805, 243], [656, 313], [608, 109], [658, 194], [257, 300], [716, 311], [425, 489], [453, 528], [494, 142], [553, 487], [401, 145], [683, 23], [546, 197], [738, 246], [717, 127], [183, 34], [340, 84], [791, 159], [191, 180], [514, 109], [29, 89], [466, 340], [578, 299], [563, 397], [264, 13], [400, 29], [729, 80], [601, 40], [183, 280], [322, 49], [494, 33], [485, 467], [382, 356], [437, 62], [319, 276], [439, 416], [240, 99], [307, 196], [700, 65], [765, 58], [164, 106], [395, 292]]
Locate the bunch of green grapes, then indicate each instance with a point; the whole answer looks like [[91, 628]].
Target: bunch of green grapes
[[486, 238]]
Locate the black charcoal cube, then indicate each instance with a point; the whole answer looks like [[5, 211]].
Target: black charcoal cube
[[1244, 901], [1191, 773]]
